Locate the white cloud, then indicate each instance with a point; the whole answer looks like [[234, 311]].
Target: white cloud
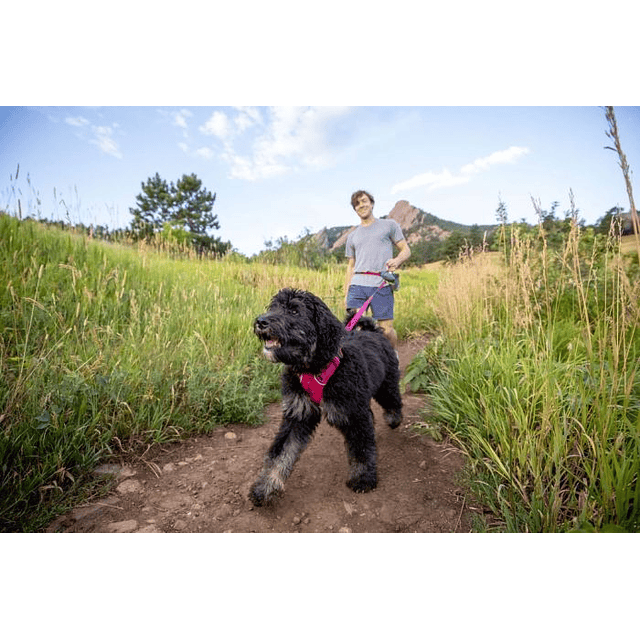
[[430, 179], [204, 152], [246, 117], [104, 141], [293, 138], [100, 136], [507, 156], [227, 127], [180, 118], [77, 122], [283, 139], [218, 125], [301, 133], [445, 178]]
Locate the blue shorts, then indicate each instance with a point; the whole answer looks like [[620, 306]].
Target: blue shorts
[[382, 304]]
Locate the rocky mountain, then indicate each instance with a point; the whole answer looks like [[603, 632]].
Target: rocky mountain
[[416, 224]]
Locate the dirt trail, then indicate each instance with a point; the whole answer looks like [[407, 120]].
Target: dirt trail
[[201, 484]]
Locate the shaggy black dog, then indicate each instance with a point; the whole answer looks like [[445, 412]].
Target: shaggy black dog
[[300, 331]]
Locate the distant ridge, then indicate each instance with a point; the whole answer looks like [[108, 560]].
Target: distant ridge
[[416, 224]]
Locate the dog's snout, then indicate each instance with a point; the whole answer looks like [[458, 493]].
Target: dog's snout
[[261, 322]]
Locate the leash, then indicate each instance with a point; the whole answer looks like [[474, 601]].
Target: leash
[[354, 321], [387, 277], [314, 385]]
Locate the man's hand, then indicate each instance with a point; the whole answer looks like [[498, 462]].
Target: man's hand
[[392, 265]]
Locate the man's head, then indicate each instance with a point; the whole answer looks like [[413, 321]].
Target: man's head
[[355, 198], [362, 202]]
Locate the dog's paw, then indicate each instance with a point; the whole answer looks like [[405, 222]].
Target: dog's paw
[[393, 418], [257, 496], [260, 497], [362, 484]]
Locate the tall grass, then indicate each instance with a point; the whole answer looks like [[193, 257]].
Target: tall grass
[[106, 348], [537, 380]]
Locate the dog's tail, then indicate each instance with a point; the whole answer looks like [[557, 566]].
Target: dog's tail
[[366, 323]]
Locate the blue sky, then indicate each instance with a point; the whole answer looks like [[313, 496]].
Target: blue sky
[[279, 170]]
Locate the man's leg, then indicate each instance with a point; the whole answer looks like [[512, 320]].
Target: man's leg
[[389, 332], [382, 306], [356, 297]]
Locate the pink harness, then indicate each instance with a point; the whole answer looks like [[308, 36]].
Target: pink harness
[[314, 385]]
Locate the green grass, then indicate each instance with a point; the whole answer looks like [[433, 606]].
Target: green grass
[[106, 348], [535, 377]]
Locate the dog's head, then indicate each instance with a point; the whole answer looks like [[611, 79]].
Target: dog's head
[[299, 330]]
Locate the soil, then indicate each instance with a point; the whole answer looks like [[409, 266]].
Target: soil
[[201, 484]]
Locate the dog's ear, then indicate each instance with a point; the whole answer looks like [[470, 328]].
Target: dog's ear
[[328, 328]]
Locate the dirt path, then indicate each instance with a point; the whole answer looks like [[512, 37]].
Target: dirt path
[[201, 484]]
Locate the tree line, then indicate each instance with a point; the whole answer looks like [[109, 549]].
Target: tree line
[[554, 227], [181, 214], [166, 214]]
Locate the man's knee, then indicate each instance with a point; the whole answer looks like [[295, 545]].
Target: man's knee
[[389, 331]]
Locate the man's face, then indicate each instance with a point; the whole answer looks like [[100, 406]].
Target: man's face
[[364, 207]]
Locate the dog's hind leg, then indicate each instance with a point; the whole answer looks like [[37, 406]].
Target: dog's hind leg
[[389, 398], [392, 406], [360, 443], [292, 439]]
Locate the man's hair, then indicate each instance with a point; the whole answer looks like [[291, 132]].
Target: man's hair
[[356, 196]]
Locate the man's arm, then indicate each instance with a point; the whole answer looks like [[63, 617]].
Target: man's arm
[[403, 256], [347, 281]]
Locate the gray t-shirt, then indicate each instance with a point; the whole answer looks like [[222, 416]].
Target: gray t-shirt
[[372, 246]]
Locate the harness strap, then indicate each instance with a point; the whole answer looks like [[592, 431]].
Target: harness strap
[[314, 385]]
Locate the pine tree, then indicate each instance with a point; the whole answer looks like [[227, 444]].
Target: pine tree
[[154, 208], [192, 206], [186, 206]]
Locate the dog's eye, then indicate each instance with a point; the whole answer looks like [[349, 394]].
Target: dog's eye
[[294, 312]]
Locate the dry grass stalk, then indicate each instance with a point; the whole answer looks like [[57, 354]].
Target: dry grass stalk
[[626, 171]]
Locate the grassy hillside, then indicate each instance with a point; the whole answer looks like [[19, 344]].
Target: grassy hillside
[[105, 348]]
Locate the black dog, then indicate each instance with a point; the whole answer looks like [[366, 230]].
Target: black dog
[[300, 331]]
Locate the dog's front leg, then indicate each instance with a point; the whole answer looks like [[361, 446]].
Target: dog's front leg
[[291, 440]]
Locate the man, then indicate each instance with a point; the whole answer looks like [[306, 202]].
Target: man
[[370, 248]]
